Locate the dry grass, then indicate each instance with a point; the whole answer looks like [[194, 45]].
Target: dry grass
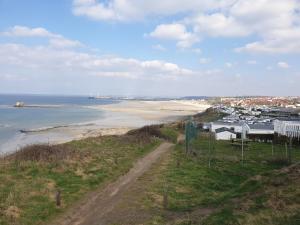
[[43, 153]]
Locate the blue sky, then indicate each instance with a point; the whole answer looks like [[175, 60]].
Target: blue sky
[[155, 48]]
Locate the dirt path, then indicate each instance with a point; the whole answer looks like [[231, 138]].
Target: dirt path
[[101, 203]]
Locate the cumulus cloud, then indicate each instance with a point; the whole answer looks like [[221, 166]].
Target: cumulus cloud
[[22, 31], [56, 40], [273, 23], [217, 25], [64, 61], [175, 32], [133, 10]]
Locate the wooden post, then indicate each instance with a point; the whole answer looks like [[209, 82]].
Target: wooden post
[[58, 198], [286, 151], [272, 149]]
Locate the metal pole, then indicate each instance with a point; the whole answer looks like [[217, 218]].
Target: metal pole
[[209, 150], [272, 148], [186, 139], [290, 149]]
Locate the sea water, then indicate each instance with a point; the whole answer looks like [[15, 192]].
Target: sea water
[[48, 111]]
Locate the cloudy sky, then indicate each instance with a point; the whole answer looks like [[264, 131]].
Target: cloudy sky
[[155, 48]]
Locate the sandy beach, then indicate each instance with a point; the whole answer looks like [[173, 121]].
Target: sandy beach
[[160, 111], [118, 119]]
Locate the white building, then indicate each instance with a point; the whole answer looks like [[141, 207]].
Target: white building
[[289, 128], [224, 134], [237, 127], [260, 128]]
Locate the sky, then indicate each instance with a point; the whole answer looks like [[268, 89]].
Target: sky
[[150, 48]]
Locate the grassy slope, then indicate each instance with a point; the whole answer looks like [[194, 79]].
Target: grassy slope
[[256, 192], [261, 190], [28, 184]]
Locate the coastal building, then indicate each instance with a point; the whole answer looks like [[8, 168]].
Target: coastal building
[[237, 127], [288, 128], [224, 133], [260, 131]]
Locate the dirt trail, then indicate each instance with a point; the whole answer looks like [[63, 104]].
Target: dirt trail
[[102, 202]]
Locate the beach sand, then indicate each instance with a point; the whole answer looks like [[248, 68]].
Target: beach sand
[[119, 119], [160, 111]]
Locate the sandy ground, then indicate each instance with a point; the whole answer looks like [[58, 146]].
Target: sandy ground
[[93, 209], [157, 110]]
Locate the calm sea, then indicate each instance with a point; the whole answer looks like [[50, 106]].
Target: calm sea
[[60, 111]]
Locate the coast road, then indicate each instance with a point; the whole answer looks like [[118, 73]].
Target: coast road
[[92, 210]]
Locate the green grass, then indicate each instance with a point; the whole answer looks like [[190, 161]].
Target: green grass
[[237, 192], [27, 188], [170, 133]]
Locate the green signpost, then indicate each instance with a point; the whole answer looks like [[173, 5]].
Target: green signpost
[[190, 133]]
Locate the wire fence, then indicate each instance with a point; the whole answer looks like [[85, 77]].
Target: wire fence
[[204, 146]]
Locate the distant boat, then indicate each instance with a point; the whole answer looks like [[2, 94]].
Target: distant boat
[[19, 104]]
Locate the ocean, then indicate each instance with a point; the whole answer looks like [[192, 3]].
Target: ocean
[[49, 112]]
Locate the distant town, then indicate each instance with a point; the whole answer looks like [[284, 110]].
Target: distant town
[[257, 118]]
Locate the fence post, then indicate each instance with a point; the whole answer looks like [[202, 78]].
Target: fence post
[[58, 198], [290, 150], [209, 150], [187, 137], [242, 150]]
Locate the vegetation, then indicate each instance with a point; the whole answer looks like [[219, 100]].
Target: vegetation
[[259, 190], [170, 133], [32, 179], [208, 116]]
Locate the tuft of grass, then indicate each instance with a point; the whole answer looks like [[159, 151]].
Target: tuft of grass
[[170, 133]]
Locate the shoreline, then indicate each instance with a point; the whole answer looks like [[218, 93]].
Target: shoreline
[[119, 118]]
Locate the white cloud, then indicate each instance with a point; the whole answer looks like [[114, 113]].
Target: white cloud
[[175, 32], [204, 60], [55, 40], [217, 25], [134, 10], [274, 22], [22, 31], [283, 65], [42, 59]]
